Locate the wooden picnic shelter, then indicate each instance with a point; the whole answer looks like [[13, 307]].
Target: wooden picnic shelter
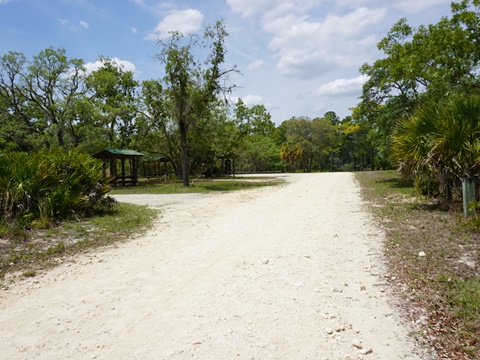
[[129, 163], [152, 166]]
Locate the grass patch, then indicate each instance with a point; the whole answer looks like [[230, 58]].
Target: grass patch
[[26, 251], [157, 186], [434, 259]]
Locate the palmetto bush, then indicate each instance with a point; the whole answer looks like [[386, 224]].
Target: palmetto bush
[[441, 141], [17, 171], [51, 184]]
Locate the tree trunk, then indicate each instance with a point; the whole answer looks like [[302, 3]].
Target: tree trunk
[[372, 154], [183, 149], [61, 143]]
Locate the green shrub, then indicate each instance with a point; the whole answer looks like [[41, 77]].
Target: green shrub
[[17, 173], [427, 186], [51, 184]]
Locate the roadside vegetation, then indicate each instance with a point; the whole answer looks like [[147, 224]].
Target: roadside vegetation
[[24, 251], [54, 204], [433, 254]]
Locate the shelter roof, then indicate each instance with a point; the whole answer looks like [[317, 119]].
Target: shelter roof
[[118, 152], [157, 159]]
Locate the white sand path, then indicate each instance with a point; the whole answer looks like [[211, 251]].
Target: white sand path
[[256, 274]]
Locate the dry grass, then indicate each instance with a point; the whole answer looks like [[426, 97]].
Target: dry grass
[[434, 261], [25, 251]]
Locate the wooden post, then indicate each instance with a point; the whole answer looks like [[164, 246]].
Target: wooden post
[[123, 170], [468, 194], [113, 169], [135, 170]]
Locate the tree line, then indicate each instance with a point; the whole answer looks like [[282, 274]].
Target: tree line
[[420, 106], [418, 111], [50, 101]]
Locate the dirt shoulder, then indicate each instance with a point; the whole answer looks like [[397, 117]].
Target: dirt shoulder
[[286, 272]]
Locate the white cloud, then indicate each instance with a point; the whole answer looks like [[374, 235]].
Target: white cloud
[[307, 48], [185, 21], [342, 87], [84, 24], [251, 7], [416, 6], [352, 3], [255, 65], [157, 8], [3, 2], [124, 64], [62, 21], [252, 100], [164, 6], [255, 7], [134, 30]]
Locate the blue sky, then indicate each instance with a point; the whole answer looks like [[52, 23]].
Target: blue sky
[[298, 58]]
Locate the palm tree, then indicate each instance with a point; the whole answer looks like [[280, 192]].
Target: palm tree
[[457, 138], [291, 153], [440, 141]]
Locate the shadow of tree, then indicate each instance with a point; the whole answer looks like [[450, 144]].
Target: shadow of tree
[[397, 183]]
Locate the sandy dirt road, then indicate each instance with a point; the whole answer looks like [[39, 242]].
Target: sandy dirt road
[[288, 272]]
